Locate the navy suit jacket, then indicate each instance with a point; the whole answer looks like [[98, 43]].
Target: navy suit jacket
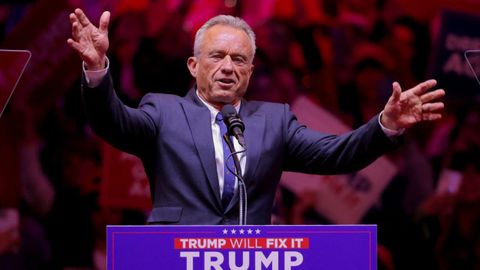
[[172, 135]]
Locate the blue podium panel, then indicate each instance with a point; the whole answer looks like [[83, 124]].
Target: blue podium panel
[[325, 247]]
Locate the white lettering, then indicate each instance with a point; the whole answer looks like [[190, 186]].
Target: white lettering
[[236, 242], [453, 64], [271, 259], [456, 65], [461, 43], [213, 260], [297, 242], [183, 241], [232, 261], [292, 258], [282, 243], [189, 256]]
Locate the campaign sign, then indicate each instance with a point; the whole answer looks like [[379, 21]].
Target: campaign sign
[[342, 199], [124, 182], [325, 247], [458, 34]]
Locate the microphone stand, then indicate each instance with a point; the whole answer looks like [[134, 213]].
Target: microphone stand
[[242, 188]]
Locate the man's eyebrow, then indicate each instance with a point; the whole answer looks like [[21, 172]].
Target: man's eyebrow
[[239, 54], [242, 55], [217, 51]]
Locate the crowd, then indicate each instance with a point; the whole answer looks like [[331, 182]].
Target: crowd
[[343, 55]]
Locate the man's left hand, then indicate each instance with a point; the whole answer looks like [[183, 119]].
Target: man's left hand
[[417, 104]]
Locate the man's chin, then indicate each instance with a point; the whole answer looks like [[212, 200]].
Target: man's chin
[[224, 95], [225, 99], [221, 96]]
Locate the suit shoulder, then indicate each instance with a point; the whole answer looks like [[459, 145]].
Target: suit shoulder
[[160, 98], [159, 105], [264, 106]]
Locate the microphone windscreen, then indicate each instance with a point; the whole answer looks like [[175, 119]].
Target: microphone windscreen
[[228, 111], [231, 118]]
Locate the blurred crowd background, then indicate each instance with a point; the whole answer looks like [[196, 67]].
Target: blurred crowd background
[[343, 55]]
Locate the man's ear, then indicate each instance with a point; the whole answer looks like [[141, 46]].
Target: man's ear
[[251, 70], [192, 64]]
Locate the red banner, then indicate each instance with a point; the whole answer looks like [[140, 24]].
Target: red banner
[[124, 182]]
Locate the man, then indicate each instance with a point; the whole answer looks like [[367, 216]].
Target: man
[[179, 140]]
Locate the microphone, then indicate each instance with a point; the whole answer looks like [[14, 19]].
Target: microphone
[[235, 125]]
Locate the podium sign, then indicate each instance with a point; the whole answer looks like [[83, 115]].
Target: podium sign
[[325, 247]]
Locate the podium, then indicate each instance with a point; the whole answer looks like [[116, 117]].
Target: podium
[[12, 66], [326, 247]]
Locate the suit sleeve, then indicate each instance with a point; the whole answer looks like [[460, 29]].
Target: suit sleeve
[[310, 151], [125, 128]]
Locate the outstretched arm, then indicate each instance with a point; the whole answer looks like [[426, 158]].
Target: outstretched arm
[[415, 105], [91, 43], [126, 128]]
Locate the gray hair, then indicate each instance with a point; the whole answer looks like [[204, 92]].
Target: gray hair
[[227, 20]]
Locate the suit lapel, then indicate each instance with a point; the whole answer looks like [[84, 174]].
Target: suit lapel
[[198, 117], [254, 132]]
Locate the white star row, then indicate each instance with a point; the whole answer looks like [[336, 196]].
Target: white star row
[[241, 231]]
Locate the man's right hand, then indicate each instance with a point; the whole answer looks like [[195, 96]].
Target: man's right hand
[[90, 42]]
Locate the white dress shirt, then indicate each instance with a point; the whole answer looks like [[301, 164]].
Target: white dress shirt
[[218, 145]]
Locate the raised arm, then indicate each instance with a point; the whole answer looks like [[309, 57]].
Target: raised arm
[[91, 43], [126, 128]]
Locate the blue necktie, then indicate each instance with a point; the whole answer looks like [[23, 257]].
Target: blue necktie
[[228, 177]]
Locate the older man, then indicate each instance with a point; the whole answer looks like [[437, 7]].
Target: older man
[[179, 139]]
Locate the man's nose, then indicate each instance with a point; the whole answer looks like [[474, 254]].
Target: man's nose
[[227, 64]]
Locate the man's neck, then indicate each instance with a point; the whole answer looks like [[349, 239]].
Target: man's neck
[[216, 106]]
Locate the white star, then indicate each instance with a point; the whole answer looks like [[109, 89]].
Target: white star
[[242, 231], [233, 231], [257, 231], [249, 231], [225, 231]]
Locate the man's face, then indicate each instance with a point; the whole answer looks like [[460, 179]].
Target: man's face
[[224, 65]]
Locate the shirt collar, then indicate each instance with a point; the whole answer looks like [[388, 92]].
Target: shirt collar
[[213, 111]]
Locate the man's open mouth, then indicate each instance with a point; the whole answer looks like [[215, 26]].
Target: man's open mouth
[[226, 81]]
